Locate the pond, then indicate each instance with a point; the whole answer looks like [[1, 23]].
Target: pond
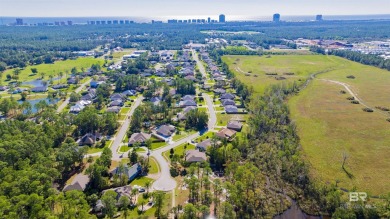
[[295, 212], [35, 101], [38, 82]]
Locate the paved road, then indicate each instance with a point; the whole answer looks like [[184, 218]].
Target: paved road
[[199, 63], [123, 130], [166, 182], [212, 114], [66, 102]]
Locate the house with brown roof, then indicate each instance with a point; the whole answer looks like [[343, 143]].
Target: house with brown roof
[[193, 156], [234, 125], [89, 139], [226, 134], [139, 137]]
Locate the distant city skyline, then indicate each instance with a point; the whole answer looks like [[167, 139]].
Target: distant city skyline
[[188, 8]]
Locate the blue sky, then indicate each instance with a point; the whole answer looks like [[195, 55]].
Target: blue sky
[[154, 8]]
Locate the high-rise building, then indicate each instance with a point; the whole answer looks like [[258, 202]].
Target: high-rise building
[[208, 20], [319, 17], [19, 21], [70, 23], [276, 18], [222, 18]]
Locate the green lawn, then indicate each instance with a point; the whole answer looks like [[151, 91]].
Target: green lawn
[[153, 166], [204, 136], [183, 134], [122, 117], [92, 150], [179, 150], [124, 148], [54, 69], [124, 110], [156, 145], [141, 181]]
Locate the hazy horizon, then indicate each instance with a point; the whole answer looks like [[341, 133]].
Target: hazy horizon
[[175, 8]]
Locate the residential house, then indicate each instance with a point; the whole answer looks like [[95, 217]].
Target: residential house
[[166, 130], [234, 125], [182, 115], [59, 86], [139, 137], [219, 91], [155, 100], [116, 96], [227, 102], [193, 156], [129, 93], [226, 134], [3, 88], [117, 102], [230, 109], [72, 80], [187, 103], [39, 89], [227, 96], [202, 146], [113, 109], [89, 139], [131, 172], [79, 183]]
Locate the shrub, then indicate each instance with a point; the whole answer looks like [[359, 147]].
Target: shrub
[[280, 78], [174, 172], [355, 102], [369, 110], [289, 73], [343, 92], [350, 98], [388, 119], [271, 73], [382, 108], [351, 77]]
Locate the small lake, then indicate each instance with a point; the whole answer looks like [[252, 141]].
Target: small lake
[[38, 82], [35, 101]]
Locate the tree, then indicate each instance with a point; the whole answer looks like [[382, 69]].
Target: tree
[[158, 203], [196, 119], [23, 95], [109, 202], [69, 153], [133, 157], [190, 211], [124, 202], [74, 97]]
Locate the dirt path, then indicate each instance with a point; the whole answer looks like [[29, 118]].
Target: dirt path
[[347, 87]]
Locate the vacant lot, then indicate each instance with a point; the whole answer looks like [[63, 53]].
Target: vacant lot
[[260, 71], [328, 124]]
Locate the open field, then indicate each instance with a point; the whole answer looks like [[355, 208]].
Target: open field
[[117, 56], [328, 124], [258, 66], [53, 69]]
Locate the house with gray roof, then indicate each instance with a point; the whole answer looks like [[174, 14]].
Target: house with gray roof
[[227, 102], [227, 96], [231, 109], [131, 172], [79, 183], [166, 130]]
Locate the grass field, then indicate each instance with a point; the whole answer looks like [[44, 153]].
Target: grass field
[[54, 69], [328, 124], [301, 65]]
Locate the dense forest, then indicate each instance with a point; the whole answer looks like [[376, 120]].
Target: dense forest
[[21, 46]]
